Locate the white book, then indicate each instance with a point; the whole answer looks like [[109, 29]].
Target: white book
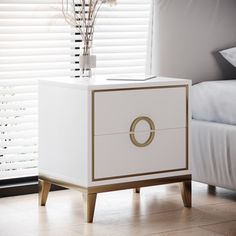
[[132, 77]]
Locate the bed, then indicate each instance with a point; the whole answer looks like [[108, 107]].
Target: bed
[[214, 133], [187, 38]]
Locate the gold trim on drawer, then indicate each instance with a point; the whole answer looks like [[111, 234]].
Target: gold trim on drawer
[[149, 173], [132, 131]]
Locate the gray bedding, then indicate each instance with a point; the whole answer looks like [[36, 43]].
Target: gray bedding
[[215, 101], [214, 153]]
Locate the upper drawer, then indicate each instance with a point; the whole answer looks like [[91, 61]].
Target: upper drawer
[[115, 110]]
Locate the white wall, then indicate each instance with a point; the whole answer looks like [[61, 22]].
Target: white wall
[[187, 36]]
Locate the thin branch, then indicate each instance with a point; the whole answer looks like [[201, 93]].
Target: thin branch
[[84, 21], [70, 19], [93, 21]]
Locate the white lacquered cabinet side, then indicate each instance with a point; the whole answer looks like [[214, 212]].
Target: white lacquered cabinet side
[[63, 133]]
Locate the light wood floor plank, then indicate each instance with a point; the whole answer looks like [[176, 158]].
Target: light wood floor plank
[[155, 211], [227, 228], [190, 232]]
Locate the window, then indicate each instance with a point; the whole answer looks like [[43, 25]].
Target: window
[[37, 43], [121, 35]]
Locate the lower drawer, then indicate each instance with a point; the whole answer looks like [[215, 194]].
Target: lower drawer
[[115, 156]]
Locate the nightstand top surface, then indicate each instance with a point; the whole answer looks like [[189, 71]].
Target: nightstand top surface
[[99, 83]]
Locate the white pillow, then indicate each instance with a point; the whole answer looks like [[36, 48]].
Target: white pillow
[[230, 55]]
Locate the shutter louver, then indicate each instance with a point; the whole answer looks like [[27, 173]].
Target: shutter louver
[[35, 42], [121, 36]]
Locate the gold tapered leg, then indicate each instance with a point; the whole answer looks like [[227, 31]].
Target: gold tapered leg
[[136, 190], [89, 206], [44, 188], [186, 192]]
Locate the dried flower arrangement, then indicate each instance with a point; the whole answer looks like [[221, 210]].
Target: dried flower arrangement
[[81, 14]]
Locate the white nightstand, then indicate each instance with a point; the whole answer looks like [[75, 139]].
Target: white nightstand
[[99, 135]]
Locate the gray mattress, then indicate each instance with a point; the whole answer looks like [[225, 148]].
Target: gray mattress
[[215, 101], [214, 153]]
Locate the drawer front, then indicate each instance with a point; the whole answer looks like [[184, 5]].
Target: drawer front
[[115, 156], [114, 111]]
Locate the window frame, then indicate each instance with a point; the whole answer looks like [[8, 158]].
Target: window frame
[[22, 186]]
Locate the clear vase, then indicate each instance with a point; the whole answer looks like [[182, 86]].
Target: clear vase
[[85, 72], [86, 62]]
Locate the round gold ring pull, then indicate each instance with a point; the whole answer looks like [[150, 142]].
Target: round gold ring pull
[[132, 131]]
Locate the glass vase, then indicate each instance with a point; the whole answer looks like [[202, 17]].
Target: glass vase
[[86, 61]]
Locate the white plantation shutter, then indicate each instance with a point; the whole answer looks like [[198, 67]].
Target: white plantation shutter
[[35, 42], [120, 38]]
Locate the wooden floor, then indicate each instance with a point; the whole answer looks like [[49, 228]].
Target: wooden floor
[[156, 211]]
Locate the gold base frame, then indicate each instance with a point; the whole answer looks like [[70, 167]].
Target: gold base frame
[[90, 193]]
